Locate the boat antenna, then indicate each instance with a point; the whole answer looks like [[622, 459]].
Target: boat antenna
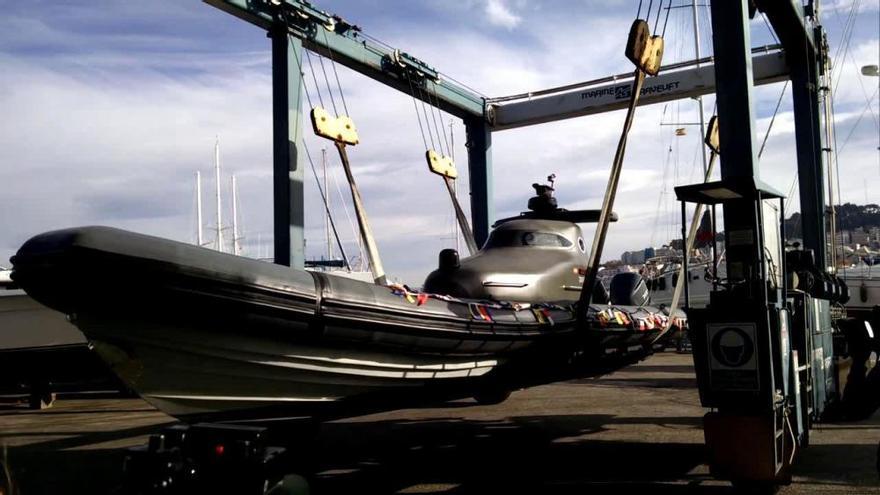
[[219, 246], [236, 246], [200, 240], [326, 205]]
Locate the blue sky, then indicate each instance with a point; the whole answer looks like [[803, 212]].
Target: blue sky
[[107, 109]]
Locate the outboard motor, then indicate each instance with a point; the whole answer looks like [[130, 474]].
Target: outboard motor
[[629, 289], [441, 281], [600, 293]]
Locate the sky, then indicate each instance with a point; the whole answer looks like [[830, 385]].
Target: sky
[[108, 108]]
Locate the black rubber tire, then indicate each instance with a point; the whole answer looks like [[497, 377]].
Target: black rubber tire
[[490, 396], [755, 487]]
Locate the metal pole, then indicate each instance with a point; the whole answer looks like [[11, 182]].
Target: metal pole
[[455, 228], [363, 223], [219, 238], [200, 240], [829, 144], [685, 274], [699, 98], [326, 205], [236, 247], [610, 193]]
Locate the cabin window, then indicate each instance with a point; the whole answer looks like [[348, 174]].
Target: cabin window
[[521, 238]]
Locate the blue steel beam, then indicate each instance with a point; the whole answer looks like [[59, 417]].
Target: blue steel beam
[[746, 296], [479, 146], [804, 47], [808, 143], [736, 124], [331, 36]]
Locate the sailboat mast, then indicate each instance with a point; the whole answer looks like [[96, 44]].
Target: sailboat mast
[[199, 237], [236, 247], [454, 189], [326, 206], [699, 98], [217, 183]]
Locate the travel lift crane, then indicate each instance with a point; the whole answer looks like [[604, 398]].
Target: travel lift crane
[[747, 345]]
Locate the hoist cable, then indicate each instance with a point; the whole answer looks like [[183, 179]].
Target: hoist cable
[[425, 114], [327, 84], [657, 19], [434, 118], [416, 108], [769, 28], [314, 78], [772, 119], [639, 12], [442, 127], [869, 106], [336, 75], [665, 22], [298, 58]]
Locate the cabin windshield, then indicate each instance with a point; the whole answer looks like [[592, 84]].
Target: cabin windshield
[[526, 238]]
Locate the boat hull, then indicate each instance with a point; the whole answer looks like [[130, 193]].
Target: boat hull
[[206, 336]]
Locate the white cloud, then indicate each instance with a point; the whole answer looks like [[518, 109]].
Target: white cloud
[[500, 14]]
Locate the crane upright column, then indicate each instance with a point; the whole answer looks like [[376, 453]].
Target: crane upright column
[[479, 145], [289, 212]]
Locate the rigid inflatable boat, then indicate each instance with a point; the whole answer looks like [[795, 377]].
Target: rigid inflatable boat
[[206, 335]]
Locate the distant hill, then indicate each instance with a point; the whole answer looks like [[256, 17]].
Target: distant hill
[[849, 217]]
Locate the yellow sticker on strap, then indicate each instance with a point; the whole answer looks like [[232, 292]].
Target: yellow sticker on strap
[[340, 129], [441, 165]]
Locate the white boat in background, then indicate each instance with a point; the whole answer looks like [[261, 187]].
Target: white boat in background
[[864, 287], [41, 352]]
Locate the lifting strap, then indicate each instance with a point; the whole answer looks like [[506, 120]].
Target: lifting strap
[[445, 167], [646, 53], [342, 132]]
